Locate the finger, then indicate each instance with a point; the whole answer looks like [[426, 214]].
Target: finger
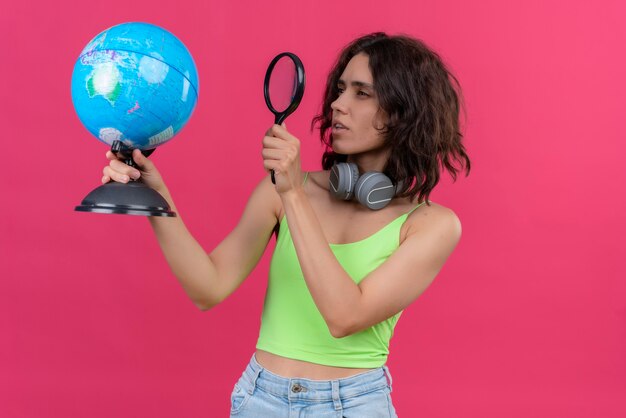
[[141, 160], [120, 166], [279, 131], [105, 179], [115, 175], [272, 165], [272, 132], [124, 169], [273, 142], [272, 154], [289, 151], [278, 166]]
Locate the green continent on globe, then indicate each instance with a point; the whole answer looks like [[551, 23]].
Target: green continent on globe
[[104, 80]]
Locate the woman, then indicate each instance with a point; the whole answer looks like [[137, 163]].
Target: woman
[[341, 272]]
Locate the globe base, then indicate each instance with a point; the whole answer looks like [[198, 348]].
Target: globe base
[[133, 198]]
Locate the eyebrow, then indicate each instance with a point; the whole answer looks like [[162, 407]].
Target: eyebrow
[[357, 84]]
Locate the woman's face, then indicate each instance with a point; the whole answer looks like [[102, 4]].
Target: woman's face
[[356, 111]]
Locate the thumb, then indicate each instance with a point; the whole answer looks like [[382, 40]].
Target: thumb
[[141, 160], [284, 125]]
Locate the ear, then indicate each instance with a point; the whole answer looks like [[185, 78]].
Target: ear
[[381, 120]]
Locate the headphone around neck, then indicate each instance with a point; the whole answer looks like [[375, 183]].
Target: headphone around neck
[[373, 189]]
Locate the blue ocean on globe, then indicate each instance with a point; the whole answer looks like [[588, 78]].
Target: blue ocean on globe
[[136, 83]]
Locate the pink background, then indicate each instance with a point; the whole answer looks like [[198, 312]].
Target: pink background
[[528, 317]]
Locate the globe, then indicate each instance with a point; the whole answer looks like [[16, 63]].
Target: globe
[[135, 83]]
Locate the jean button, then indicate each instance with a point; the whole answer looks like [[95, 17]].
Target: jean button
[[296, 388]]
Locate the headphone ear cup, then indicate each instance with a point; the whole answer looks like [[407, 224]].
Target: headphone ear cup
[[343, 179], [374, 190]]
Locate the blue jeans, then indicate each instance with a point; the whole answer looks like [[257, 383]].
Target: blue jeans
[[262, 394]]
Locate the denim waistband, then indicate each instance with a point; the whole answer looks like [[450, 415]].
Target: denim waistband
[[256, 376]]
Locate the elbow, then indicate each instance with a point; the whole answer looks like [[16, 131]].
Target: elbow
[[205, 300], [345, 324], [202, 307], [341, 330], [339, 333], [204, 304]]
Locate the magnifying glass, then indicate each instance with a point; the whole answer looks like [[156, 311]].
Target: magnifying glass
[[283, 87]]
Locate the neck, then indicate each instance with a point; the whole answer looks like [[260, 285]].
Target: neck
[[370, 161]]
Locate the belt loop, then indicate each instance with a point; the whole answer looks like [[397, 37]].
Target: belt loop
[[335, 390], [389, 378], [254, 378]]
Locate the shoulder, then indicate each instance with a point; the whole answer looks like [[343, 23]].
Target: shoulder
[[319, 179], [265, 191], [436, 222], [265, 198]]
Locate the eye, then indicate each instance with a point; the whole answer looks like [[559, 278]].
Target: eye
[[339, 90], [362, 93]]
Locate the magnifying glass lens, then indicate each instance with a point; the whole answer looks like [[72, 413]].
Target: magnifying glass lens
[[282, 84]]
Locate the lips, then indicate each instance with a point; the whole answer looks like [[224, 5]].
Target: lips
[[338, 126]]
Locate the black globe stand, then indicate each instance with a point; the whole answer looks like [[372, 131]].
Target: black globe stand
[[132, 198]]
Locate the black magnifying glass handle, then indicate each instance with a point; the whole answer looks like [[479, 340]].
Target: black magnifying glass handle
[[278, 120]]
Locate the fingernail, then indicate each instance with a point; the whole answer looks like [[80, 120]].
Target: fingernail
[[125, 178], [135, 175]]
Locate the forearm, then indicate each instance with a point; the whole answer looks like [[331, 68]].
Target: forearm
[[187, 259], [336, 295]]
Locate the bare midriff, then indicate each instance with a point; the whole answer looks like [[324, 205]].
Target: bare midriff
[[291, 368]]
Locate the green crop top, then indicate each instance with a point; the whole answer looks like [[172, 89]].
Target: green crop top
[[291, 324]]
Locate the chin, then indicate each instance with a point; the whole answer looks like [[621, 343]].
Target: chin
[[340, 148], [343, 151]]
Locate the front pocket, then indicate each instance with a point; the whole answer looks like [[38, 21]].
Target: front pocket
[[238, 399]]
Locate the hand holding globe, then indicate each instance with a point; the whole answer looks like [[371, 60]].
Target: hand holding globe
[[142, 169]]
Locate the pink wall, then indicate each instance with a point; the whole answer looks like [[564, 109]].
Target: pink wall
[[528, 317]]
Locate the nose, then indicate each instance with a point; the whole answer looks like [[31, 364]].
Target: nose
[[339, 105]]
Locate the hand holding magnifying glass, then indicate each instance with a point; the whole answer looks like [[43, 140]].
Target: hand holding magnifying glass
[[283, 87]]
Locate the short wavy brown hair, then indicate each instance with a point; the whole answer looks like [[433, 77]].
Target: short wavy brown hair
[[422, 101]]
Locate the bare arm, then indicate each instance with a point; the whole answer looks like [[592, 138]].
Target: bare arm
[[207, 278], [347, 307]]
